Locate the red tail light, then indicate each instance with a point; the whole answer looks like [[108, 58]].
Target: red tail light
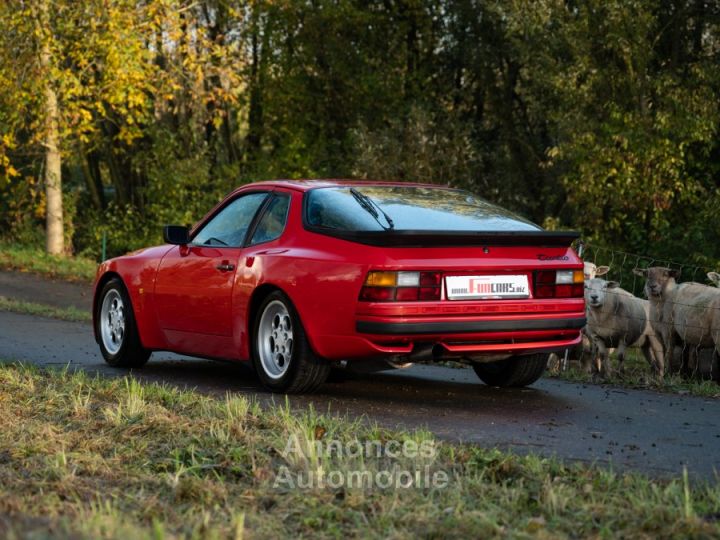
[[401, 287], [559, 283]]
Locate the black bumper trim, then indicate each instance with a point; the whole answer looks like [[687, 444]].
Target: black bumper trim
[[461, 327]]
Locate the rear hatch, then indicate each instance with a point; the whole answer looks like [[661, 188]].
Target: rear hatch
[[447, 246]]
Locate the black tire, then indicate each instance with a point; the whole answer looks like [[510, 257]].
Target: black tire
[[304, 371], [130, 353], [515, 371]]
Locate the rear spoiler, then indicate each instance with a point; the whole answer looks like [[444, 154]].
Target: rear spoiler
[[391, 238]]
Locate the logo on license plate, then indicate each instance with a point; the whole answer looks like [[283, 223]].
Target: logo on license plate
[[475, 286], [468, 287]]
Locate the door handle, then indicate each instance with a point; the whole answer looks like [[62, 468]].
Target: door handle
[[225, 267], [271, 252]]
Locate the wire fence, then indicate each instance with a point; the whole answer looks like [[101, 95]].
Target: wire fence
[[622, 264], [690, 315]]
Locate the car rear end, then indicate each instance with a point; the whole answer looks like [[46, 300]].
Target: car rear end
[[482, 303], [442, 274]]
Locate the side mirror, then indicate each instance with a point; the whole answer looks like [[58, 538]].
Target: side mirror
[[178, 235]]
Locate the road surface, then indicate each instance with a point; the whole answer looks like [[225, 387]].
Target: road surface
[[626, 429]]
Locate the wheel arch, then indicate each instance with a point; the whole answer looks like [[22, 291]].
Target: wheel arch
[[256, 299]]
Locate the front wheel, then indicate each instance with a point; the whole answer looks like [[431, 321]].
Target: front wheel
[[282, 355], [116, 328], [514, 371]]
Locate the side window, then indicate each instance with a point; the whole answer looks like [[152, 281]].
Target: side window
[[230, 225], [272, 223]]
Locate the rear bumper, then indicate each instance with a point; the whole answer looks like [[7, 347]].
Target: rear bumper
[[464, 327], [453, 329], [472, 337], [454, 337]]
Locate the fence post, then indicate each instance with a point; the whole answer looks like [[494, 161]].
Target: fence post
[[104, 246]]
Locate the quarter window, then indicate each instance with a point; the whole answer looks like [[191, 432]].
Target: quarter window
[[273, 221], [229, 227]]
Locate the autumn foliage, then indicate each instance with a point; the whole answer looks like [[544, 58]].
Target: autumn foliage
[[596, 115]]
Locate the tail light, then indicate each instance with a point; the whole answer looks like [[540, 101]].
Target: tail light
[[401, 287], [559, 283]]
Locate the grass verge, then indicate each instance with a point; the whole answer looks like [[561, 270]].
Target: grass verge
[[637, 375], [35, 260], [31, 308], [88, 457]]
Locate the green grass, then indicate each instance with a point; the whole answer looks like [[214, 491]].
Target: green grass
[[637, 375], [35, 260], [31, 308], [86, 457]]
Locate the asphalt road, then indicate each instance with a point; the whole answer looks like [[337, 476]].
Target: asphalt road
[[626, 429], [51, 292]]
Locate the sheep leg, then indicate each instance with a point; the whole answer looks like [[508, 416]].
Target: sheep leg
[[588, 354], [653, 353], [605, 370], [694, 362], [621, 357], [649, 355], [685, 362], [669, 342]]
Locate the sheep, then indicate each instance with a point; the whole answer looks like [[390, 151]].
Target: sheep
[[616, 318], [714, 277], [686, 312], [591, 271], [584, 351]]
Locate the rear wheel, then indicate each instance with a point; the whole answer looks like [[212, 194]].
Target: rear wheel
[[282, 355], [115, 325], [514, 371]]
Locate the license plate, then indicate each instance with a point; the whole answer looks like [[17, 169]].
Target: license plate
[[486, 287]]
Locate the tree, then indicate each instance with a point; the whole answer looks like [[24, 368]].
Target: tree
[[55, 241]]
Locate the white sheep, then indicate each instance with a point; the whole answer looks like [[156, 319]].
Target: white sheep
[[616, 318], [585, 352], [591, 271], [682, 312]]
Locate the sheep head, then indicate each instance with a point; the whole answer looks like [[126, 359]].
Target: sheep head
[[591, 271], [658, 279], [595, 291]]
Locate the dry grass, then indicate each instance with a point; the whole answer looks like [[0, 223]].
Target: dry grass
[[637, 375], [42, 310], [84, 457]]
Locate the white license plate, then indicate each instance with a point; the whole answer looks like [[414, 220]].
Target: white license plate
[[486, 287]]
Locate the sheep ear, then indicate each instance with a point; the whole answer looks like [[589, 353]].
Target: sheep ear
[[673, 273], [642, 272], [714, 277], [602, 270], [612, 284]]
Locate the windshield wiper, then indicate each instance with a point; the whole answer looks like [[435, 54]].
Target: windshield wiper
[[372, 208], [209, 241]]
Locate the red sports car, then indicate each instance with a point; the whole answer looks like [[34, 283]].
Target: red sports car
[[298, 276]]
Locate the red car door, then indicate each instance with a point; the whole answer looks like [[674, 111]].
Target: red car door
[[194, 283], [193, 290]]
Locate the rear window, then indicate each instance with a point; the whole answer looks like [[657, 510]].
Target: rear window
[[408, 209]]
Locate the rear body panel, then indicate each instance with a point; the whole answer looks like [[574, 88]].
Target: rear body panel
[[381, 328]]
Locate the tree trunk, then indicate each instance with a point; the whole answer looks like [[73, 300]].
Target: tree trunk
[[55, 241], [255, 113]]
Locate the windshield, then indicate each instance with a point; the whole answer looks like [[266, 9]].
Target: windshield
[[409, 208]]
